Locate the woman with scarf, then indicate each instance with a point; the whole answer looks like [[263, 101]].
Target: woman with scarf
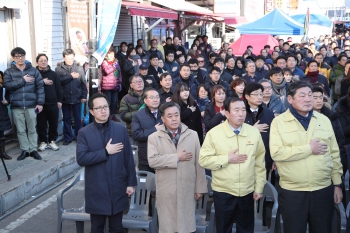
[[313, 76], [134, 59], [202, 101], [111, 81]]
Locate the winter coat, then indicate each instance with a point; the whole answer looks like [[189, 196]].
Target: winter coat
[[173, 68], [210, 84], [142, 125], [239, 71], [73, 89], [156, 51], [5, 122], [335, 73], [192, 120], [261, 73], [53, 93], [129, 105], [192, 84], [298, 72], [212, 119], [275, 105], [144, 58], [111, 76], [106, 176], [226, 77], [24, 94], [265, 116], [164, 95], [176, 182], [152, 71], [344, 87], [339, 135], [320, 79], [343, 111], [149, 82], [249, 80]]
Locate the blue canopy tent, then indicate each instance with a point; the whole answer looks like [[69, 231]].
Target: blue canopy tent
[[274, 23], [321, 20]]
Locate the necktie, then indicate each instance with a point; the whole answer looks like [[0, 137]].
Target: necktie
[[255, 113], [236, 132], [154, 114]]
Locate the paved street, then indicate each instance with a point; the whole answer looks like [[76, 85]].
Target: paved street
[[40, 216]]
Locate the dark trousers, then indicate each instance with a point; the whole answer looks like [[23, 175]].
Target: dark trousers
[[112, 97], [229, 208], [2, 134], [49, 114], [67, 109], [98, 223], [301, 207]]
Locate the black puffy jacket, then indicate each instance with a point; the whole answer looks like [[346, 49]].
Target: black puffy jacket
[[24, 94], [73, 89]]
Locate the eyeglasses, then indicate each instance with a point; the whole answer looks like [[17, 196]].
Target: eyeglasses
[[20, 56], [137, 82], [153, 97], [200, 61], [257, 94], [104, 108]]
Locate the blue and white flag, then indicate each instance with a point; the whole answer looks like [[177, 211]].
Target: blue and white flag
[[107, 22]]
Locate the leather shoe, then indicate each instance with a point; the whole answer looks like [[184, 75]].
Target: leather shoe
[[66, 143], [35, 155], [23, 155]]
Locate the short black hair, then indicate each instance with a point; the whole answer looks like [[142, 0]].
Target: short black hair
[[293, 56], [169, 52], [249, 46], [184, 65], [168, 38], [228, 101], [193, 61], [153, 55], [166, 105], [228, 58], [213, 55], [68, 52], [95, 96], [295, 86], [218, 59], [215, 68], [139, 41], [286, 43], [317, 88], [205, 88], [275, 70], [17, 50], [134, 76], [41, 55], [260, 57], [163, 76], [123, 43], [341, 56], [252, 87], [312, 61], [267, 46], [279, 58]]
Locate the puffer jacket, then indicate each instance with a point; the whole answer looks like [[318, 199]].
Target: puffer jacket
[[275, 105], [111, 76], [73, 89], [24, 94], [129, 105]]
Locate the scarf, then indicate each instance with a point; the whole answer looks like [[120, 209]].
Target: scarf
[[279, 89], [313, 76], [134, 57], [304, 121], [177, 136], [110, 62], [194, 73], [202, 103]]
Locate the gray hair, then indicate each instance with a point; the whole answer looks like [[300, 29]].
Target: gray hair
[[166, 105], [264, 80]]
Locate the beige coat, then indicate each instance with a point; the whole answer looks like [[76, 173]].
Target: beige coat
[[176, 182]]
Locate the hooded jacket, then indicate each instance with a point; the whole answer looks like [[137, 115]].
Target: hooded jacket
[[22, 94]]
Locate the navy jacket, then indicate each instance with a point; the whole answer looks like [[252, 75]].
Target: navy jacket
[[22, 94], [192, 83], [210, 84], [265, 116], [192, 120], [254, 79], [142, 125], [173, 68], [152, 71], [106, 176], [261, 73]]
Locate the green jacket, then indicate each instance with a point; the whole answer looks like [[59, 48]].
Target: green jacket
[[129, 105], [336, 72]]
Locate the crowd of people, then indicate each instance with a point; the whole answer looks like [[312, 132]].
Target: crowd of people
[[193, 112]]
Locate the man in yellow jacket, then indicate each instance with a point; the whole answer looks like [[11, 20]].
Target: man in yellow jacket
[[304, 147], [235, 153]]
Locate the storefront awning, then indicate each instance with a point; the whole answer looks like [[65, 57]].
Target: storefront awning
[[235, 19], [181, 5], [138, 9], [14, 4]]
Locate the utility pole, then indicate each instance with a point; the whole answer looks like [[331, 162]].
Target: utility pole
[[93, 73]]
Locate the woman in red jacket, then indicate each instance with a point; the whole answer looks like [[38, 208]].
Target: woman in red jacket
[[110, 83]]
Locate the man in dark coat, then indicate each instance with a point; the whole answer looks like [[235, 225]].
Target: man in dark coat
[[199, 74], [186, 77], [214, 79], [103, 148], [154, 70], [27, 97], [170, 65], [148, 80], [145, 122], [74, 91], [259, 117]]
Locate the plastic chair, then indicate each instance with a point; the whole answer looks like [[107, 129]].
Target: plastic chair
[[135, 152], [269, 194], [339, 219], [76, 214], [138, 215], [203, 226]]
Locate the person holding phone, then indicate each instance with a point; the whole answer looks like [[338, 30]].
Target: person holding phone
[[27, 97]]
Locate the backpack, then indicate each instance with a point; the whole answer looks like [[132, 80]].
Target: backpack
[[337, 85]]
